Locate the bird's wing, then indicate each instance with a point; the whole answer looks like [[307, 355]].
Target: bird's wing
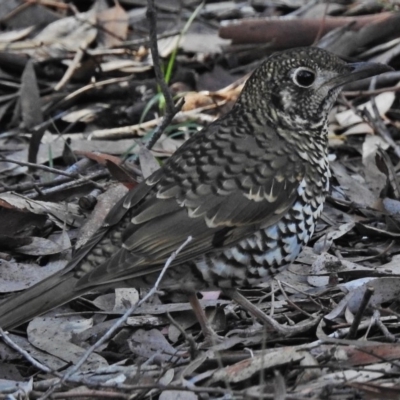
[[221, 186]]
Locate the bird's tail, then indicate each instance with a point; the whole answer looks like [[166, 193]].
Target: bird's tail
[[38, 299]]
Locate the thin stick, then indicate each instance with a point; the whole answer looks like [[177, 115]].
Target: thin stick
[[369, 291], [73, 184], [171, 109], [151, 15], [24, 353], [365, 93], [37, 166], [291, 302], [118, 323]]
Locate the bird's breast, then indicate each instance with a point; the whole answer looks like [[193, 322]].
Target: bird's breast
[[258, 258]]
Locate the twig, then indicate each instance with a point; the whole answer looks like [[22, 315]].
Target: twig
[[88, 394], [378, 124], [377, 319], [78, 168], [135, 130], [151, 15], [189, 339], [382, 157], [309, 296], [380, 127], [24, 353], [118, 323], [145, 42], [366, 93], [164, 123], [171, 109], [374, 121], [37, 166], [160, 386], [56, 185], [89, 87], [295, 306], [74, 183], [72, 67], [369, 291]]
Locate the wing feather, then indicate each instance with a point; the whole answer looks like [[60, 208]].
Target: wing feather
[[250, 185]]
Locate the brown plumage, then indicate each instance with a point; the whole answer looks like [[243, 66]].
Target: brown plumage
[[248, 188]]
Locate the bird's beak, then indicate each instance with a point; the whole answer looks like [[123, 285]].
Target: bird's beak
[[357, 71]]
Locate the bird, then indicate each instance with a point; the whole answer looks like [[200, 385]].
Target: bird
[[248, 189]]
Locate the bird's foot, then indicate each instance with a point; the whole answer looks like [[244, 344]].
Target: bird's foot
[[211, 339], [248, 332], [291, 330], [284, 330]]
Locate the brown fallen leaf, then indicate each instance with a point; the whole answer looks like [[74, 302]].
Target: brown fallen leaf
[[113, 24], [285, 33]]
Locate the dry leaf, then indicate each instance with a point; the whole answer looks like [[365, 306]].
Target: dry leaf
[[384, 102]]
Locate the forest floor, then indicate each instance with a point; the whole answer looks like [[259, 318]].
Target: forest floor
[[83, 120]]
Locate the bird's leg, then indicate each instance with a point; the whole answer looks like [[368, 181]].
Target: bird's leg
[[256, 312], [210, 337]]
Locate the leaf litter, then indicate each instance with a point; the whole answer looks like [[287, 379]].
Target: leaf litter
[[76, 84]]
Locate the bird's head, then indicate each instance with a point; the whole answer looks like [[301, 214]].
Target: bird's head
[[298, 87]]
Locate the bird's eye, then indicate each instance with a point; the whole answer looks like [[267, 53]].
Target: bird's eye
[[303, 77]]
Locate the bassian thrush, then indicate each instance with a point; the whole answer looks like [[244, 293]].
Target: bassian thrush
[[248, 188]]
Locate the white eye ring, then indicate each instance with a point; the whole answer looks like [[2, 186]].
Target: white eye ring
[[303, 77]]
